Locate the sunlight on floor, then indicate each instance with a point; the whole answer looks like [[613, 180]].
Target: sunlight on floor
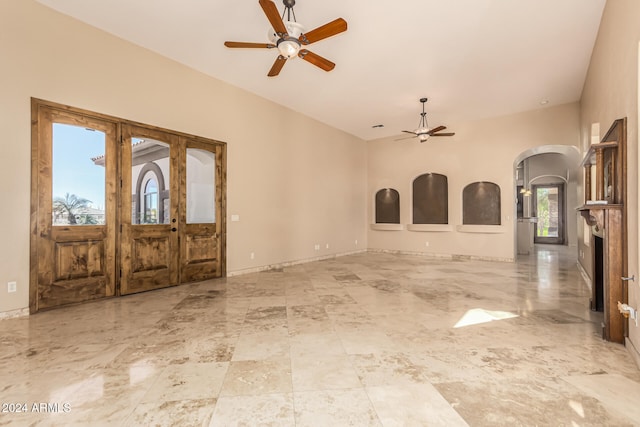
[[577, 407], [476, 316]]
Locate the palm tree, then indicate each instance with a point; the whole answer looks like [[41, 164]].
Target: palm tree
[[70, 205]]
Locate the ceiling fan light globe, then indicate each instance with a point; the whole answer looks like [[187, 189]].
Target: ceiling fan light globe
[[423, 137], [289, 48]]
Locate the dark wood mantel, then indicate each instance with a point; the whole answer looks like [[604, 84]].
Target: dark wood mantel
[[607, 217], [606, 221]]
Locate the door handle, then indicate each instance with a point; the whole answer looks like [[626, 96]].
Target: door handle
[[174, 229]]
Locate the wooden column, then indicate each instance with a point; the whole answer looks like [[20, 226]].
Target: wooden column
[[599, 175], [613, 272], [587, 183]]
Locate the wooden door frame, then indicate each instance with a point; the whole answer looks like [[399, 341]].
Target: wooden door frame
[[561, 239], [36, 104]]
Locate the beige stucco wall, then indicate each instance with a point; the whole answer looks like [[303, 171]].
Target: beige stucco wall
[[293, 181], [483, 150], [611, 92]]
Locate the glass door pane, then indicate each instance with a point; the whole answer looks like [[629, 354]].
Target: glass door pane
[[547, 202], [78, 176], [150, 178], [201, 186]]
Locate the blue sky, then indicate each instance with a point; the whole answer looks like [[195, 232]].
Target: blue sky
[[73, 170]]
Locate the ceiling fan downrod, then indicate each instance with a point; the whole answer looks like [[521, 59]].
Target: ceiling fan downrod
[[423, 116], [288, 10]]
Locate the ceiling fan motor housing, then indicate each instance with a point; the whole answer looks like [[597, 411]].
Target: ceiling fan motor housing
[[288, 45]]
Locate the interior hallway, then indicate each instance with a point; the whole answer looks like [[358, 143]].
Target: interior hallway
[[367, 339]]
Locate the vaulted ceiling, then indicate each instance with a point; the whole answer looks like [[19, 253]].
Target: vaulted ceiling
[[472, 58]]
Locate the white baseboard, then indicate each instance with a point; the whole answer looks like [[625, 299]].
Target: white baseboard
[[21, 312], [633, 351], [585, 276], [290, 263], [442, 256]]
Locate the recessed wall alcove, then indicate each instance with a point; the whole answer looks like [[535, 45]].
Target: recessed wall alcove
[[430, 199], [387, 210], [481, 204]]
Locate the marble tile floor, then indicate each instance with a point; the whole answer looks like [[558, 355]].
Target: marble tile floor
[[363, 340]]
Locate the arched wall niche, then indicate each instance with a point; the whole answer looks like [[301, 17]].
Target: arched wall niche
[[388, 206], [481, 204], [430, 199]]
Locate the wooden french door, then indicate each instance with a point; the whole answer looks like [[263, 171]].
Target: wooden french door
[[149, 249], [73, 201], [171, 209], [119, 207], [202, 207]]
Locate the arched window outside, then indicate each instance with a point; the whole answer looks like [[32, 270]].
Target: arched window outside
[[481, 204], [150, 202], [387, 206], [430, 199]]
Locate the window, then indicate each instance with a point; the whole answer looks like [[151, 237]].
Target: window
[[430, 199], [387, 206], [78, 175], [201, 186], [481, 204], [150, 202]]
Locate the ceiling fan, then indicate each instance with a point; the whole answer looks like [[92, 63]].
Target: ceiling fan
[[289, 37], [423, 132]]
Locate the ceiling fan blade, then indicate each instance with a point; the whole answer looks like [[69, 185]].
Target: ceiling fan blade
[[249, 45], [327, 30], [408, 131], [316, 60], [436, 129], [443, 134], [277, 66], [273, 16]]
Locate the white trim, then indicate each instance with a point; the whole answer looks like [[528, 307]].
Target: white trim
[[585, 276], [430, 227], [484, 229], [290, 263], [386, 227], [455, 257], [633, 351], [21, 312]]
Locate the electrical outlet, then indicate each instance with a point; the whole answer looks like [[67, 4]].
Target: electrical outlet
[[317, 247], [252, 256], [12, 287], [356, 242], [426, 244], [327, 246]]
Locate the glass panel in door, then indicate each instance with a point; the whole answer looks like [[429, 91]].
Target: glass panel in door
[[201, 186], [78, 175], [150, 181], [549, 206]]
